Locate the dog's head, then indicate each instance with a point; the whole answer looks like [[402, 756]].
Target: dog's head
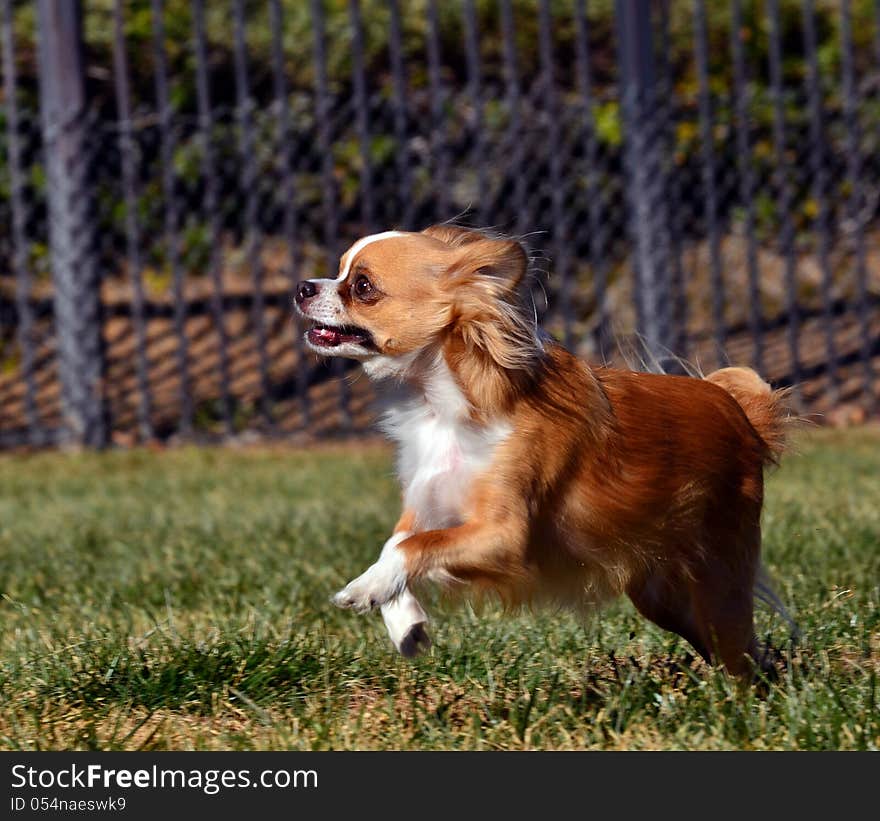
[[398, 293]]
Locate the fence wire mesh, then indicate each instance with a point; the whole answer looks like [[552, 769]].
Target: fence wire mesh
[[698, 179]]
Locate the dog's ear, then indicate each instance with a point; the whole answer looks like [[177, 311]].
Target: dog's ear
[[487, 311], [504, 261], [480, 254]]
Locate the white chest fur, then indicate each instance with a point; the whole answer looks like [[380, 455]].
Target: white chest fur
[[441, 450]]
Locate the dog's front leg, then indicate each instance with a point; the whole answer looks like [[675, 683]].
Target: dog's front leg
[[404, 617], [477, 549]]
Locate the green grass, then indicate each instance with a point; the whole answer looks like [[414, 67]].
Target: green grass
[[180, 600]]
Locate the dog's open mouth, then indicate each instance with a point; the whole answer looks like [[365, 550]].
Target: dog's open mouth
[[330, 336]]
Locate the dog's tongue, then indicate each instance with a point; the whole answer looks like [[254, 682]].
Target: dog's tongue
[[327, 336]]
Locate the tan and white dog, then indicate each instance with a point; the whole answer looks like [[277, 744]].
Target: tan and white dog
[[531, 475]]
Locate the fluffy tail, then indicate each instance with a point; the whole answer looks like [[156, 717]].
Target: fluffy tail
[[765, 408], [769, 414]]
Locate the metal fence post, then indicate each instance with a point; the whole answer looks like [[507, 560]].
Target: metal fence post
[[645, 176], [77, 302]]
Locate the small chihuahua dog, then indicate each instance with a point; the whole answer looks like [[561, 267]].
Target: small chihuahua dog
[[527, 473]]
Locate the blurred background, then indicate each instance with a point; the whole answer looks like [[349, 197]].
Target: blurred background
[[696, 178]]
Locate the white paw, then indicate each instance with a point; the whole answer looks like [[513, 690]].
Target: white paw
[[406, 622], [380, 582], [368, 591]]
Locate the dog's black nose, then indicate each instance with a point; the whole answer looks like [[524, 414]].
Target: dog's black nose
[[304, 290]]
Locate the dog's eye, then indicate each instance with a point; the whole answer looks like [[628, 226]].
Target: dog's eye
[[363, 288]]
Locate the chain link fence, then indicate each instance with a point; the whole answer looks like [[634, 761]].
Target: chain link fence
[[695, 179]]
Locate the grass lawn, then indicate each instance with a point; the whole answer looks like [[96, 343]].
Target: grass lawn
[[180, 600]]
